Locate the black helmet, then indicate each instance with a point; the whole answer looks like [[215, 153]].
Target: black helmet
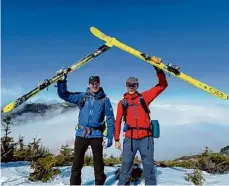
[[93, 79]]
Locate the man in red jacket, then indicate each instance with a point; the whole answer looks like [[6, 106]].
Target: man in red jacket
[[137, 125]]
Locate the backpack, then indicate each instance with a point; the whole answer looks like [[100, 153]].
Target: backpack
[[81, 105], [126, 105]]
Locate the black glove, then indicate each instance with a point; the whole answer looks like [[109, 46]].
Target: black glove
[[158, 70], [63, 72]]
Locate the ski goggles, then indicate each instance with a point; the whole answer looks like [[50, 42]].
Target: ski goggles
[[131, 84]]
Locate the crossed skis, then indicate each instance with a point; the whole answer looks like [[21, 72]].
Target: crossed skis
[[110, 42]]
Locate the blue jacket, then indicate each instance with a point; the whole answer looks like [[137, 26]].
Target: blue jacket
[[94, 111]]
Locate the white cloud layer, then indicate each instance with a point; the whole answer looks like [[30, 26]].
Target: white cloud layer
[[190, 114], [184, 129], [186, 126]]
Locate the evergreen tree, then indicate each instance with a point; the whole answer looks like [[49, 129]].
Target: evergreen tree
[[196, 177], [7, 142], [225, 150]]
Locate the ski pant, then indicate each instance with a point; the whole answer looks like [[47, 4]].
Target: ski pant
[[146, 149], [81, 145]]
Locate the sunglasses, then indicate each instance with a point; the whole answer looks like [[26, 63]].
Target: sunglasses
[[131, 84]]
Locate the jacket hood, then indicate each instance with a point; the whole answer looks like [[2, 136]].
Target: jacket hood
[[99, 95]]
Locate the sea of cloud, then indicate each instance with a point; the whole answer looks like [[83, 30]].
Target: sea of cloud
[[185, 128]]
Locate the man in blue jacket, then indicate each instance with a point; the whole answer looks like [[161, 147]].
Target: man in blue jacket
[[94, 106]]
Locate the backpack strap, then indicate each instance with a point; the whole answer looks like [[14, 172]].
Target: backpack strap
[[81, 104], [125, 106], [143, 103]]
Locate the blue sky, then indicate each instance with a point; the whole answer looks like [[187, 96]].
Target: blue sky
[[40, 37]]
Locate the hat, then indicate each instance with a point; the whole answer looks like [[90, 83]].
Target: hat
[[132, 80], [92, 79]]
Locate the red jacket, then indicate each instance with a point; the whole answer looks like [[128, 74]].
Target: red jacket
[[142, 117]]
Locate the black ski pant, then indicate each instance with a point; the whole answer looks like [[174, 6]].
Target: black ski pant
[[81, 145]]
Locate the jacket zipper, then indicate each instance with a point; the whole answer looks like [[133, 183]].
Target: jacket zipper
[[91, 110]]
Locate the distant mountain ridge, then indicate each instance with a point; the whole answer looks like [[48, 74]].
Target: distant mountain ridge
[[40, 109]]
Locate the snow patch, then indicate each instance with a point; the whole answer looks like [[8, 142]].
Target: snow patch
[[17, 173]]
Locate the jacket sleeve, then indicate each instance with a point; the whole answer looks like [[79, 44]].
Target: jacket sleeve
[[118, 121], [109, 118], [152, 93], [64, 94]]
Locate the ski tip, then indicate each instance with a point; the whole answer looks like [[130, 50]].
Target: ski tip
[[94, 30], [8, 107], [97, 33], [220, 95]]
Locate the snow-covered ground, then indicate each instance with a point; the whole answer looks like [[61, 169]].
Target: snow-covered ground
[[17, 174]]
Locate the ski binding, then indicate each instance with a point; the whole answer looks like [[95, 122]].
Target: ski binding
[[44, 84], [173, 68], [146, 56]]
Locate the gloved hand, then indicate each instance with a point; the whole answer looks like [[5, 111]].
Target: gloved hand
[[63, 72], [158, 70], [108, 143]]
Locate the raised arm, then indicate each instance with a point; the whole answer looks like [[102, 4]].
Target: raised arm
[[151, 94], [64, 94]]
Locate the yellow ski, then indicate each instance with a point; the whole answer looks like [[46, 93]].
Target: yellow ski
[[12, 105], [158, 63]]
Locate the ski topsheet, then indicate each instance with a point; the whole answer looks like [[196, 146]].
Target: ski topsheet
[[12, 105], [158, 63]]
